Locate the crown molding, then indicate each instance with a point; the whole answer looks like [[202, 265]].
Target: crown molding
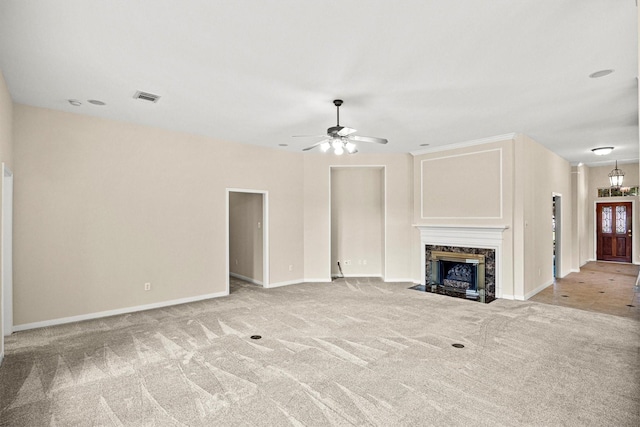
[[481, 141]]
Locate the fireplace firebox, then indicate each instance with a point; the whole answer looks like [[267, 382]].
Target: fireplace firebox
[[457, 274]]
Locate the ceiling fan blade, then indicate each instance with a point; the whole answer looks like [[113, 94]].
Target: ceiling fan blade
[[315, 145], [308, 136], [355, 150], [346, 131], [367, 139]]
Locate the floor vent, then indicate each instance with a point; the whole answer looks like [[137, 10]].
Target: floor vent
[[146, 96]]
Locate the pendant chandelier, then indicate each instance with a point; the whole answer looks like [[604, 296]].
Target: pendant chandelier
[[616, 177]]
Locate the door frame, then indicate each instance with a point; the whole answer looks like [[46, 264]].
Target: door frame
[[265, 234], [633, 225], [6, 256], [558, 217]]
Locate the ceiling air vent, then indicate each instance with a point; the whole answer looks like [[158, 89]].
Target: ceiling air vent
[[146, 96]]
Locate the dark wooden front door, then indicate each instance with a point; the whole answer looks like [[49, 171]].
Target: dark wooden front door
[[614, 231]]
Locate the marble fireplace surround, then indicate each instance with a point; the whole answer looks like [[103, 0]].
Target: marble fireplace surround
[[485, 237]]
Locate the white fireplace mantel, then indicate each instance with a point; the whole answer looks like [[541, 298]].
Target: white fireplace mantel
[[472, 236]]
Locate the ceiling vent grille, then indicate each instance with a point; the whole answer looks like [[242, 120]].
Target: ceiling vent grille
[[146, 96]]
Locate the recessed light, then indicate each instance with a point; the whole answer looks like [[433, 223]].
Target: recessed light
[[600, 73], [423, 145], [602, 151], [96, 102], [75, 102], [283, 145]]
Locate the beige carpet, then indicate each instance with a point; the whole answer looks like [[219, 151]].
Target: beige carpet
[[345, 353]]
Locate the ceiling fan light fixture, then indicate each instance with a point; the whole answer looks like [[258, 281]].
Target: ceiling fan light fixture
[[602, 151], [339, 151], [350, 147], [325, 146]]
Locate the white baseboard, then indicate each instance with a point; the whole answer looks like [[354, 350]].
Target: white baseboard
[[1, 358], [91, 316], [507, 296], [287, 283], [363, 275], [318, 280], [401, 280], [538, 289], [574, 270], [246, 279]]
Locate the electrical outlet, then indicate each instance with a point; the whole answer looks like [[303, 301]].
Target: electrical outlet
[[291, 268], [147, 286], [347, 262], [236, 262]]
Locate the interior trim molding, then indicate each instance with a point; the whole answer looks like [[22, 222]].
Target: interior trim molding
[[108, 313], [318, 280], [379, 276], [401, 280], [501, 190], [538, 289], [471, 143], [286, 283], [487, 237], [246, 279]]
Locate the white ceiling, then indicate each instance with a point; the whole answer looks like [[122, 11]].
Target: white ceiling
[[416, 72]]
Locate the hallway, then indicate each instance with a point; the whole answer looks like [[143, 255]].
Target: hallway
[[603, 287]]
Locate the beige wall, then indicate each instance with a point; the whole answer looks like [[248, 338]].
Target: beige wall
[[246, 236], [6, 156], [468, 186], [598, 177], [357, 221], [516, 179], [399, 262], [541, 174], [101, 207], [581, 235]]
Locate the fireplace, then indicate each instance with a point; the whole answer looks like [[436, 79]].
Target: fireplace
[[484, 240], [461, 272], [457, 274]]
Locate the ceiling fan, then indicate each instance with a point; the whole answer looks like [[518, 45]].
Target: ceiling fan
[[341, 138]]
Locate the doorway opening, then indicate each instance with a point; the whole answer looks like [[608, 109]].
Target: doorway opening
[[247, 236], [556, 234], [358, 232], [614, 225]]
